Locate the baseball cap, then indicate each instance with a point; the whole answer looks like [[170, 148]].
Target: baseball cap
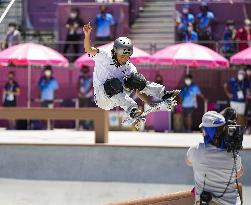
[[247, 22], [241, 71], [212, 119]]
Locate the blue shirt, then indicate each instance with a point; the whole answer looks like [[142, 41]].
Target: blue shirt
[[189, 95], [236, 86], [47, 88], [86, 85], [193, 37], [228, 45], [204, 19], [103, 23], [10, 88], [185, 20]]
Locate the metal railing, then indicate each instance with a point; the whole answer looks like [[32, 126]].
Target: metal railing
[[219, 46]]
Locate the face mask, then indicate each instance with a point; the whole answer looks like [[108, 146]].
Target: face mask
[[190, 29], [240, 77], [11, 29], [10, 77], [185, 11], [47, 73], [231, 27], [73, 15], [188, 82]]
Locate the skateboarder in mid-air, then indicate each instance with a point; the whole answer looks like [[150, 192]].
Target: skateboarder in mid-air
[[115, 77]]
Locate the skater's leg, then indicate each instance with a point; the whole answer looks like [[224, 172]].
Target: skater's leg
[[158, 91], [125, 102], [136, 81], [114, 90], [154, 89]]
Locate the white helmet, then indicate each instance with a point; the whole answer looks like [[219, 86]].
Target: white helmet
[[123, 46]]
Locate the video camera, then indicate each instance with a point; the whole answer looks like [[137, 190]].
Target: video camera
[[233, 137], [233, 133]]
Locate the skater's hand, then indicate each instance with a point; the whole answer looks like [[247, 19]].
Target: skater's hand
[[87, 29], [230, 96]]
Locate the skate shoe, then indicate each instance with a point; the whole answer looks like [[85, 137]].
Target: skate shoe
[[135, 113], [170, 94]]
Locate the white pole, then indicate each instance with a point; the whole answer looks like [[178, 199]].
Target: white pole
[[6, 10], [205, 106], [29, 87], [187, 70]]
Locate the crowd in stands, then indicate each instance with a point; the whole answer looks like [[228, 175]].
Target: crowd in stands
[[104, 26], [199, 29], [186, 22]]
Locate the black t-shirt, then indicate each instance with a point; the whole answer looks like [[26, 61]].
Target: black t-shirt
[[71, 22], [11, 87]]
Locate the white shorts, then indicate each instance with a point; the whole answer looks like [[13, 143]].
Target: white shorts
[[240, 107], [102, 100]]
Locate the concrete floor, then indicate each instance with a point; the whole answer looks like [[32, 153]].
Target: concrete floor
[[29, 192], [66, 136]]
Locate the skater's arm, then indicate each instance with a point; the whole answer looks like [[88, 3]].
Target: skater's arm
[[144, 97], [87, 40], [202, 97], [229, 95]]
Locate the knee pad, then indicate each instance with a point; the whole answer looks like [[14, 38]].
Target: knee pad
[[135, 81], [113, 87]]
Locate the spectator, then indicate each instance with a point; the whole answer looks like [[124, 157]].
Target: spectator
[[159, 79], [85, 92], [188, 96], [13, 36], [74, 33], [205, 20], [104, 26], [182, 22], [213, 165], [236, 90], [244, 35], [191, 35], [48, 85], [10, 93], [229, 46]]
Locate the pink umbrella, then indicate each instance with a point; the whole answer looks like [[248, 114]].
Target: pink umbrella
[[243, 57], [138, 56], [31, 54], [190, 54]]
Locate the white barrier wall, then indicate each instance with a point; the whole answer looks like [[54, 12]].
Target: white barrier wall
[[101, 163]]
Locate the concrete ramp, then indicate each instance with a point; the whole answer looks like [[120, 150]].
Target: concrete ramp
[[101, 163]]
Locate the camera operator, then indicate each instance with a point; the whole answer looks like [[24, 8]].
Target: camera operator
[[216, 163]]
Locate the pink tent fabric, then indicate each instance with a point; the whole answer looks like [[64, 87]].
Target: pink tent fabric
[[190, 54], [243, 57], [138, 56], [32, 54]]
